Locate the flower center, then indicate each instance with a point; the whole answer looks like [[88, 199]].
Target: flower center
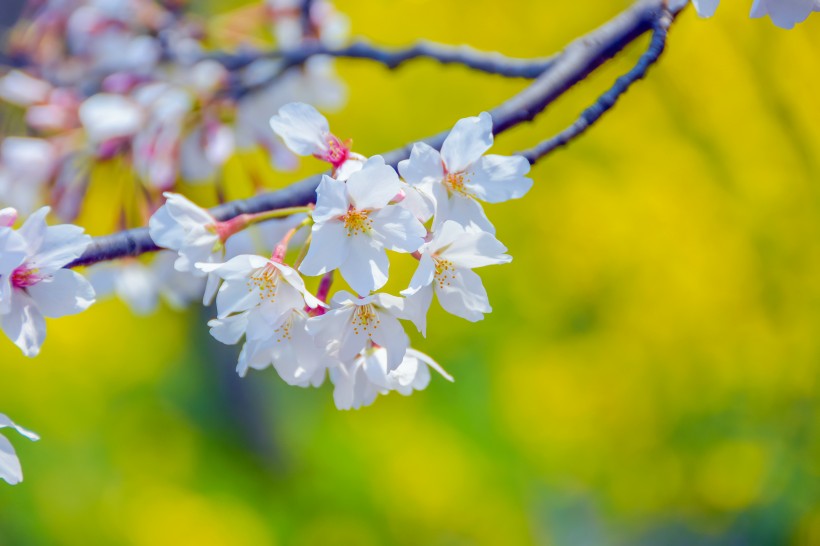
[[445, 272], [454, 182], [338, 151], [366, 320], [265, 281], [23, 277], [357, 221]]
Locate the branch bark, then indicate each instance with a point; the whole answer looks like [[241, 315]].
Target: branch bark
[[577, 61]]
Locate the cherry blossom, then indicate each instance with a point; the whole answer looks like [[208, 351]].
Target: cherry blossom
[[10, 469], [33, 283], [265, 286], [359, 382], [354, 224], [193, 233], [307, 132], [446, 267], [353, 325], [26, 166], [291, 351], [460, 176]]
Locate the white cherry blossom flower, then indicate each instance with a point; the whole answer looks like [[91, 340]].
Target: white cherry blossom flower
[[359, 382], [268, 288], [446, 267], [307, 132], [193, 233], [106, 116], [26, 165], [10, 469], [460, 176], [291, 351], [353, 325], [33, 281], [354, 224]]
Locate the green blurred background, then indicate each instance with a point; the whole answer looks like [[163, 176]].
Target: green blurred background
[[649, 374]]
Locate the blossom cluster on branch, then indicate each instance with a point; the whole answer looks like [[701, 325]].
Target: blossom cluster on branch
[[143, 87]]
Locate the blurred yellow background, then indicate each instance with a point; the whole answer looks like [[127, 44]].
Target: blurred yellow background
[[649, 374]]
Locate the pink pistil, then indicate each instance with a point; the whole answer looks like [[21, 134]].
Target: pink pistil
[[338, 152], [23, 277]]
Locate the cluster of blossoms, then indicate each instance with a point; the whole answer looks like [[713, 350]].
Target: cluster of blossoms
[[132, 81], [430, 209], [784, 13]]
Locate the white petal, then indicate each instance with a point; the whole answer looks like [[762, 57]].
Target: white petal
[[229, 330], [376, 367], [66, 292], [186, 212], [423, 276], [460, 209], [12, 250], [390, 335], [430, 362], [34, 228], [24, 324], [329, 248], [374, 185], [468, 247], [706, 8], [302, 127], [10, 469], [423, 167], [416, 306], [238, 267], [61, 245], [464, 295], [497, 178], [398, 229], [467, 142], [5, 422], [331, 200], [367, 266]]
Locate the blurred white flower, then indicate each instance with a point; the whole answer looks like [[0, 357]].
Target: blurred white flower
[[26, 165], [141, 286]]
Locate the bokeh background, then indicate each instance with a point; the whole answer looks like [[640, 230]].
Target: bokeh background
[[649, 374]]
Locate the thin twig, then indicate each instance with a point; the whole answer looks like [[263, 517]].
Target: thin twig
[[489, 62], [606, 101], [575, 63]]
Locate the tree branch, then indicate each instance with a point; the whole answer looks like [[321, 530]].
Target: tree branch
[[606, 101], [576, 62]]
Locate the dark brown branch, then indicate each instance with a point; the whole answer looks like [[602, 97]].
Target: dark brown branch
[[606, 101], [571, 66]]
